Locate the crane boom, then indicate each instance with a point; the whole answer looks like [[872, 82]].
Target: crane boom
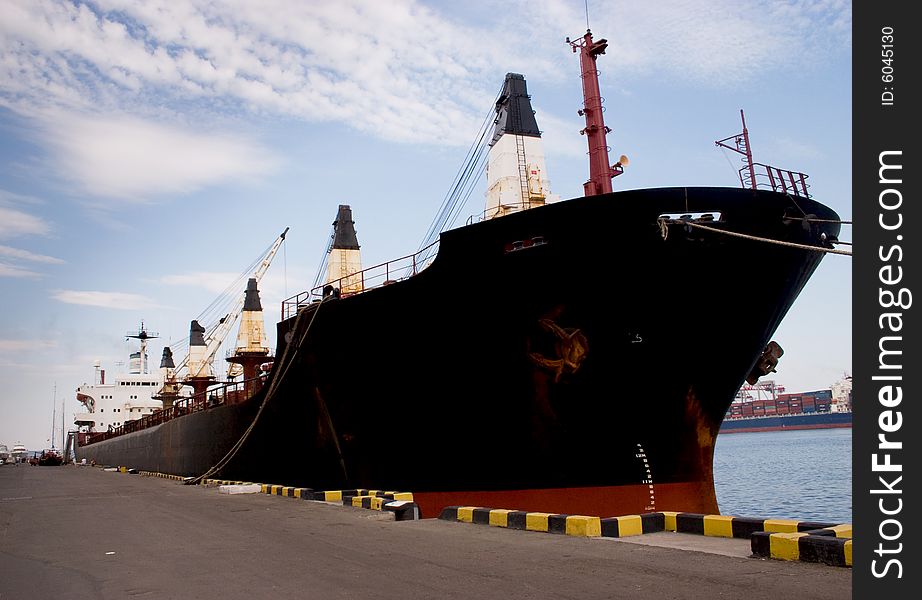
[[215, 338]]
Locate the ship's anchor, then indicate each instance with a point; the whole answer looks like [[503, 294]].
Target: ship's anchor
[[571, 347], [766, 363]]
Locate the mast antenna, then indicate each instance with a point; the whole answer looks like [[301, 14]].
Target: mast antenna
[[587, 15]]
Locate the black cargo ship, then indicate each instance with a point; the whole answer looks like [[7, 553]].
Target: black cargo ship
[[575, 358]]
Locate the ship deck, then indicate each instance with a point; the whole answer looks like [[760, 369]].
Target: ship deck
[[85, 533]]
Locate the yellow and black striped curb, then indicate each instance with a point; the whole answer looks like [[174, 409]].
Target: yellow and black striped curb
[[623, 526], [399, 503], [577, 525], [745, 527], [163, 475], [827, 549]]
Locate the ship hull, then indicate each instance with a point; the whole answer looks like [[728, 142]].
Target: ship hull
[[788, 422], [584, 371]]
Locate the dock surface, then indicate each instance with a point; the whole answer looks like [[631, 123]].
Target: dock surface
[[81, 532]]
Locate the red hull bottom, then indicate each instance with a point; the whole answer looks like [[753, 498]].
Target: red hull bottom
[[592, 501]]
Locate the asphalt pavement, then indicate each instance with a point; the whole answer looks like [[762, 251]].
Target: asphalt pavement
[[80, 532]]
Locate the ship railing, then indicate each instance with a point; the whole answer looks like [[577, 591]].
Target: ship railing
[[502, 210], [775, 179], [377, 276], [231, 392], [232, 352]]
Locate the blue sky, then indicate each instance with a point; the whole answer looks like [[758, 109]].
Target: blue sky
[[150, 151]]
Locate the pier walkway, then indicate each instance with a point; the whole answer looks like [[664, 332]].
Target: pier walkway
[[81, 532]]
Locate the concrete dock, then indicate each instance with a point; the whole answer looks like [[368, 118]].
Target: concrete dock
[[81, 532]]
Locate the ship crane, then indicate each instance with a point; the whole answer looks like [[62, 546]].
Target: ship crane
[[203, 345]]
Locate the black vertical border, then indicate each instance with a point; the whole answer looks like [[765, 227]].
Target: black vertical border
[[879, 128]]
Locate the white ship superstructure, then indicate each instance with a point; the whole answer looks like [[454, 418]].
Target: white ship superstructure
[[842, 395], [127, 398], [19, 452]]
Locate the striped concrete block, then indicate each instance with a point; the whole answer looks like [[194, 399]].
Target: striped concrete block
[[838, 531], [575, 525], [826, 549], [498, 517], [744, 527], [161, 475], [303, 493], [536, 521], [330, 496], [516, 519], [348, 494], [629, 525], [780, 525], [466, 514], [369, 502], [669, 520], [404, 510], [582, 526]]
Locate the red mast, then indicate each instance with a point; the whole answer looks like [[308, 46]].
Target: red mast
[[600, 170], [741, 145]]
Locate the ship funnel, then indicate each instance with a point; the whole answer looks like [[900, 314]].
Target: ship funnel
[[198, 363], [251, 301], [252, 348], [345, 258], [516, 171], [344, 237], [169, 391], [166, 362], [196, 334], [514, 114]]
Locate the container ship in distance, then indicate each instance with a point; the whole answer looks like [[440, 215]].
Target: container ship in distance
[[820, 409], [514, 368]]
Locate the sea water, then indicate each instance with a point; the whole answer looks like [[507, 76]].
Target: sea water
[[804, 475]]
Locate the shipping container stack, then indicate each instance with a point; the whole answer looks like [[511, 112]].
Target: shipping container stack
[[784, 404]]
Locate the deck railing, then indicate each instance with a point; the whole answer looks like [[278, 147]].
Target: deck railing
[[361, 281], [778, 180], [226, 393]]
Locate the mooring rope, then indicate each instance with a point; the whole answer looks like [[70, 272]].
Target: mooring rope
[[286, 361], [809, 220], [664, 230]]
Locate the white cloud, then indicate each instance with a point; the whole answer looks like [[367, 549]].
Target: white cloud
[[117, 300], [397, 70], [8, 198], [8, 270], [722, 42], [14, 223], [20, 254], [132, 159], [213, 281], [26, 345]]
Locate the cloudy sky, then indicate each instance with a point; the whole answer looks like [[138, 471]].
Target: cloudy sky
[[149, 151]]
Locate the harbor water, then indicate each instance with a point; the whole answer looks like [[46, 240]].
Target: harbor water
[[804, 475]]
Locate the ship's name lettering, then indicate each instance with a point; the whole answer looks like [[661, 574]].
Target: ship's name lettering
[[893, 299]]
